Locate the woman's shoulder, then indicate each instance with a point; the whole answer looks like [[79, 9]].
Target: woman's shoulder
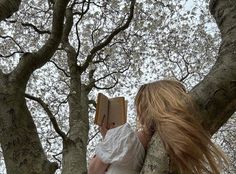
[[119, 144], [126, 134], [125, 128]]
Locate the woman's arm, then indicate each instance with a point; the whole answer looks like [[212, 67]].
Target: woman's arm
[[97, 166]]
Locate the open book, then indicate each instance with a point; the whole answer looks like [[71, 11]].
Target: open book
[[111, 111]]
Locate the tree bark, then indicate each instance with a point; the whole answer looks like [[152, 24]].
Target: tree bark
[[75, 146], [216, 94], [7, 8], [157, 161], [74, 149], [22, 149], [19, 139]]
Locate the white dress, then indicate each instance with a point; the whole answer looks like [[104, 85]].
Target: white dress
[[122, 149]]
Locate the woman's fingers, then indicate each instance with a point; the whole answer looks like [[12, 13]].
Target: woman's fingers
[[103, 129], [112, 125]]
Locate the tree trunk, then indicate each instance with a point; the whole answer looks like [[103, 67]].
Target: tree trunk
[[157, 160], [75, 148], [7, 8], [22, 150], [216, 94]]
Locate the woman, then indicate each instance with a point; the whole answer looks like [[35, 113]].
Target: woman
[[163, 107]]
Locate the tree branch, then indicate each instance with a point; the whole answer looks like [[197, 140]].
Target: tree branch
[[10, 55], [216, 94], [5, 37], [27, 24], [109, 87], [93, 102], [32, 61], [66, 74], [55, 157], [49, 113], [82, 13], [93, 136], [92, 81], [108, 39], [7, 8]]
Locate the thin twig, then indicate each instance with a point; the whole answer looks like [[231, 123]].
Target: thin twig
[[93, 136], [101, 45], [66, 74]]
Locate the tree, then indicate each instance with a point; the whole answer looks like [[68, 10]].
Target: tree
[[92, 45], [20, 143], [8, 8], [215, 94], [22, 150]]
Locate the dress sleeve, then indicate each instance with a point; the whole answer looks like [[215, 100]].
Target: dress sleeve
[[118, 145]]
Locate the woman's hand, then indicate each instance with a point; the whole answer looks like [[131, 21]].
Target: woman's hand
[[97, 166], [103, 130]]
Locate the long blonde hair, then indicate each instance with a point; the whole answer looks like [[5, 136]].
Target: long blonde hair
[[165, 106]]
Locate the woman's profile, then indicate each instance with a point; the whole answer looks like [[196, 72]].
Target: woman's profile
[[166, 108]]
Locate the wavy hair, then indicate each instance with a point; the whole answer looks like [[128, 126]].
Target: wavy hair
[[165, 106]]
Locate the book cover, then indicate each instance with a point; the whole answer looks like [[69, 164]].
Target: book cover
[[111, 111]]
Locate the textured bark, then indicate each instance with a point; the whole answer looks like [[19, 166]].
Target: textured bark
[[22, 150], [157, 160], [216, 94], [8, 7], [19, 139], [29, 62], [75, 147]]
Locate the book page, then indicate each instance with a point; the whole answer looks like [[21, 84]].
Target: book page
[[117, 111], [101, 110]]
